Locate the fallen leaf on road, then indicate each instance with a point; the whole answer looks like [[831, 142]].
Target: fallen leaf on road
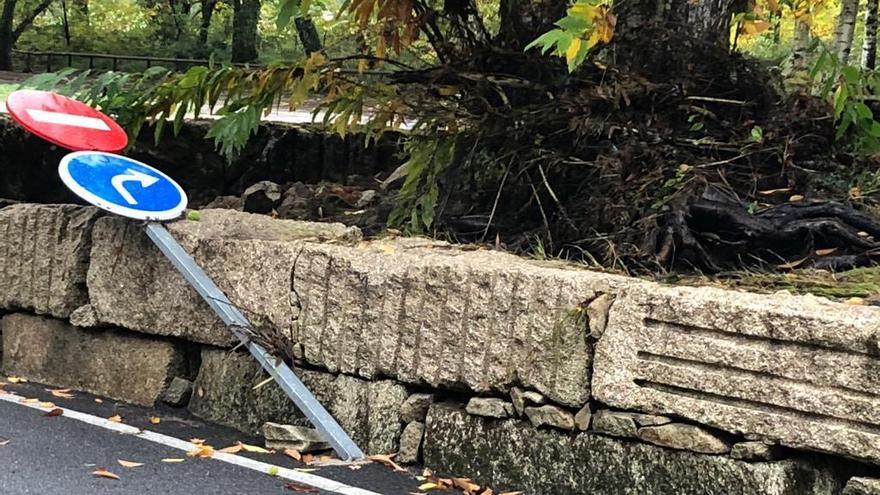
[[103, 473], [232, 449], [254, 449], [29, 401], [487, 491], [465, 484], [429, 486], [129, 464], [202, 450], [387, 460], [197, 441], [115, 419], [822, 252], [511, 493], [3, 441], [300, 488], [355, 467], [63, 393], [293, 453], [272, 471], [155, 420], [99, 401], [15, 379], [55, 412], [173, 460], [46, 405], [305, 470], [307, 459]]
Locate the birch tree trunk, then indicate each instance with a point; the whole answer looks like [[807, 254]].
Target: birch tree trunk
[[869, 46], [846, 27]]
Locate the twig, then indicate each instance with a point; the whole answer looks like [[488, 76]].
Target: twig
[[495, 204], [716, 100]]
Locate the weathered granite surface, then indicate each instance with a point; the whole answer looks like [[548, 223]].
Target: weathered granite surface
[[540, 462], [420, 312], [122, 366], [224, 393], [44, 251], [799, 370], [432, 314], [249, 256]]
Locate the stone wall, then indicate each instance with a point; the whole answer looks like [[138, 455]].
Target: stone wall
[[535, 376]]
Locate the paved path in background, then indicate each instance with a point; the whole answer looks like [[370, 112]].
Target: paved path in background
[[56, 455], [278, 114]]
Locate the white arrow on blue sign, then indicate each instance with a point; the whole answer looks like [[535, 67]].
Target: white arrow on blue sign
[[123, 186]]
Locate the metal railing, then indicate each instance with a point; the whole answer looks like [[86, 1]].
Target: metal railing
[[56, 60]]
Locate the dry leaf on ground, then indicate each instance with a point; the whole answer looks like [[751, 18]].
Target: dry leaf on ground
[[55, 412], [293, 453], [155, 420], [3, 441], [115, 419], [129, 464], [301, 488], [254, 449], [103, 473], [197, 441], [63, 393], [232, 449], [202, 450], [172, 460], [15, 379], [387, 460]]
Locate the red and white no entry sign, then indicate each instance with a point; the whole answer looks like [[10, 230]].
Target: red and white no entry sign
[[65, 122]]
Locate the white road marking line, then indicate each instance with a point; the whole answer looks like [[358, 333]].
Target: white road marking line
[[47, 117], [318, 482]]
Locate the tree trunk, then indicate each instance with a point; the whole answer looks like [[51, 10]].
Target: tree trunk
[[670, 36], [869, 45], [524, 20], [207, 14], [308, 35], [7, 41], [246, 14], [9, 33], [802, 37], [65, 23], [846, 26]]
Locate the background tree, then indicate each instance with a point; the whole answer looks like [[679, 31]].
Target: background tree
[[246, 15], [10, 32], [869, 44], [845, 28]]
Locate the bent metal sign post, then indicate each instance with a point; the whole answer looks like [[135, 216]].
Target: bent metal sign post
[[132, 189]]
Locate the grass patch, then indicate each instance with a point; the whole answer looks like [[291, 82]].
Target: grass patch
[[860, 282]]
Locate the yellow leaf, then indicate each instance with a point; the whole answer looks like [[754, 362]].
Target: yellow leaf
[[795, 198], [428, 486], [46, 405], [103, 473], [29, 401], [15, 379], [129, 464], [172, 460], [115, 419], [583, 10], [573, 49], [155, 420], [254, 449], [202, 450], [197, 441], [855, 301]]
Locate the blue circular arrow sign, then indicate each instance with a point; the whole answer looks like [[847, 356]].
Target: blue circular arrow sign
[[123, 186]]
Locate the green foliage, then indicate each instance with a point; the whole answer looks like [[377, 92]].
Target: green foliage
[[588, 23], [847, 89], [418, 196]]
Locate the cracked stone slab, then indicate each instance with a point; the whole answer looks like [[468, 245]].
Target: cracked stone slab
[[250, 257], [799, 370], [428, 313], [511, 455], [120, 365], [44, 256]]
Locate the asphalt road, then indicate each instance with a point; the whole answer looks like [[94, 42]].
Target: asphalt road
[[50, 455]]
